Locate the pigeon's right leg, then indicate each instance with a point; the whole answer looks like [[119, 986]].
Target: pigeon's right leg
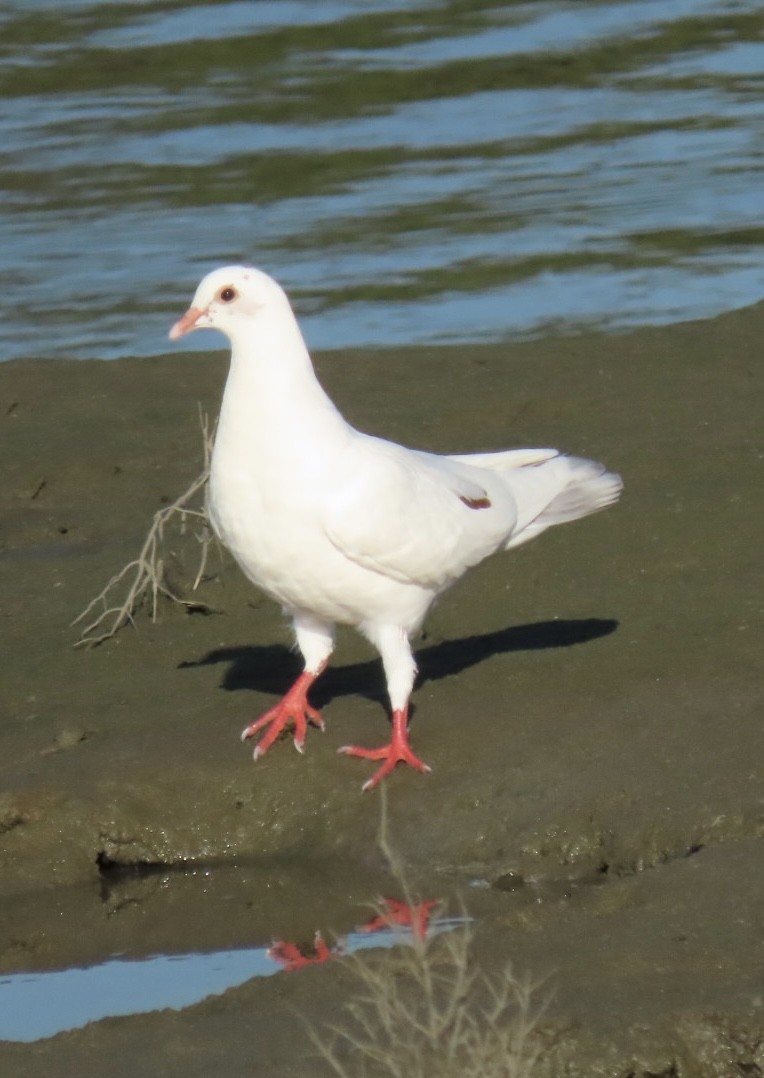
[[315, 639], [392, 642]]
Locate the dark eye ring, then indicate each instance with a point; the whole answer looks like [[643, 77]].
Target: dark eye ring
[[227, 294]]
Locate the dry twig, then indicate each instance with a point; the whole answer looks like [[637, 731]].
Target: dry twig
[[146, 574], [428, 1009]]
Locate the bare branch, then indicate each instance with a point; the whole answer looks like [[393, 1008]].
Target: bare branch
[[146, 573]]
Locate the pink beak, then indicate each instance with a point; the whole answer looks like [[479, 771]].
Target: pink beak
[[186, 323]]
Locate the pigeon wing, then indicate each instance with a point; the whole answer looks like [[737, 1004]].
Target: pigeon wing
[[415, 517]]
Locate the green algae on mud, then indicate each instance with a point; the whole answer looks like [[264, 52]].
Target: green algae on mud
[[589, 704]]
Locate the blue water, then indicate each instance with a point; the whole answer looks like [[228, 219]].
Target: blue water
[[41, 1004], [412, 172]]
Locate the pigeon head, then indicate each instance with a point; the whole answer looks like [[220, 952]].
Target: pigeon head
[[229, 298]]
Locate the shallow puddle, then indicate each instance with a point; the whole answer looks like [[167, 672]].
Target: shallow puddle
[[37, 1005]]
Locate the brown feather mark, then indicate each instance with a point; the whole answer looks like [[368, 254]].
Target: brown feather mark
[[475, 503]]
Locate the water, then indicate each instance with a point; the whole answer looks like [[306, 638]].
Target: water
[[412, 172], [40, 1004]]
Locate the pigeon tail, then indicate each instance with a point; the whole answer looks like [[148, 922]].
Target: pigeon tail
[[575, 487]]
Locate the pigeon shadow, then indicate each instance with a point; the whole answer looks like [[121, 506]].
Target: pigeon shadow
[[273, 667]]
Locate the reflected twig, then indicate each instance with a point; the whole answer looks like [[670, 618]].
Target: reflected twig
[[427, 1008]]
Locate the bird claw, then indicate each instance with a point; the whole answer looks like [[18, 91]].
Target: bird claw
[[293, 709], [396, 752], [390, 764]]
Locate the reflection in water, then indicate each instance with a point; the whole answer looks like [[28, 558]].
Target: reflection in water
[[411, 172], [394, 917], [291, 956], [37, 1005], [394, 912]]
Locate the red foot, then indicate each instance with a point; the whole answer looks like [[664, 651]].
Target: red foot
[[291, 957], [293, 708], [396, 752], [401, 913]]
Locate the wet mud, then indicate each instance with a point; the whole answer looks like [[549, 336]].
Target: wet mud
[[590, 706]]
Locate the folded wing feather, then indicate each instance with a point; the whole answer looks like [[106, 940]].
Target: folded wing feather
[[408, 515]]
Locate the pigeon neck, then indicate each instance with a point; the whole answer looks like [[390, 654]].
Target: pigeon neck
[[272, 384]]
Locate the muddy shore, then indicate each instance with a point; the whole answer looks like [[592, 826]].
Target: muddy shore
[[590, 706]]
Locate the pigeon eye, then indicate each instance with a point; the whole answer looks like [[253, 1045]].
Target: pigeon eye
[[227, 294]]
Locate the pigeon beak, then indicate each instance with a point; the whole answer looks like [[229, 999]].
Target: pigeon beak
[[189, 321]]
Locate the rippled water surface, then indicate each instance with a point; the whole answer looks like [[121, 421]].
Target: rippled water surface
[[411, 172]]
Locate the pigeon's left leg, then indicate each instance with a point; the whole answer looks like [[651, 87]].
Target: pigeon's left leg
[[315, 639], [400, 670]]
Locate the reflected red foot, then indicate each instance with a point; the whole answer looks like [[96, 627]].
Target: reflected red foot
[[397, 752], [292, 958], [401, 913], [294, 710]]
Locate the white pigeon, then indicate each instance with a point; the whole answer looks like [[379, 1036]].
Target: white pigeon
[[340, 527]]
